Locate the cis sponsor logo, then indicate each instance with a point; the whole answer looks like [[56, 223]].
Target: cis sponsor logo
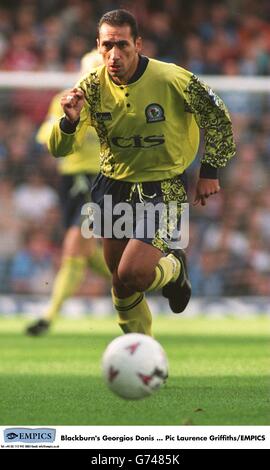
[[138, 141], [29, 435]]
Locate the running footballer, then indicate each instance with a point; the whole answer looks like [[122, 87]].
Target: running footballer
[[147, 115]]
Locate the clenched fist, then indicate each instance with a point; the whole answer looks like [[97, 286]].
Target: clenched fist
[[72, 103]]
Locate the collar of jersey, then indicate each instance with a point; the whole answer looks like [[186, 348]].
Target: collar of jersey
[[143, 62]]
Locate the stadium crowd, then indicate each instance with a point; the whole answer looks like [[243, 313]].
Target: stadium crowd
[[207, 36], [229, 249]]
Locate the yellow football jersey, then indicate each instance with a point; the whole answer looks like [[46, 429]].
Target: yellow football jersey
[[149, 128], [86, 158]]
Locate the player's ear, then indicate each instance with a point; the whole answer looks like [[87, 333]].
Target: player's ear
[[98, 45], [138, 44]]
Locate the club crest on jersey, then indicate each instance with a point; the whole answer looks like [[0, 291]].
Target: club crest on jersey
[[154, 113]]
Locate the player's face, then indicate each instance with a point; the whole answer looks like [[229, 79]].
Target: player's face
[[119, 51]]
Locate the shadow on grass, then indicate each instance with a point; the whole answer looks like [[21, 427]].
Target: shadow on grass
[[47, 381], [84, 400], [90, 338]]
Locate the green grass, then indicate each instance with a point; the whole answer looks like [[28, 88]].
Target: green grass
[[218, 374]]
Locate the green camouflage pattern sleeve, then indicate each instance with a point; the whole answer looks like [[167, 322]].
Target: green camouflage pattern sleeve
[[211, 115]]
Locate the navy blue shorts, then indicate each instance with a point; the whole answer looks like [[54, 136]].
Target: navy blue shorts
[[132, 210], [74, 193]]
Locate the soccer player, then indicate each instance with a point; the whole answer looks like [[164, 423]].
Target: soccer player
[[147, 115], [77, 174]]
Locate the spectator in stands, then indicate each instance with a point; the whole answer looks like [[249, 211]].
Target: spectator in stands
[[34, 198], [10, 230], [32, 266]]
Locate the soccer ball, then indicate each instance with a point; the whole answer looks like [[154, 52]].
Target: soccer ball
[[134, 366]]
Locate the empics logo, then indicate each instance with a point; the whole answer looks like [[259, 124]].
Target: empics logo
[[11, 435], [29, 435]]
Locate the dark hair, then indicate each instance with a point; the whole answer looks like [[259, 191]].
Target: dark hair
[[120, 18]]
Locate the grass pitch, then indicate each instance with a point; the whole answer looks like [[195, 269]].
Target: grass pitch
[[218, 374]]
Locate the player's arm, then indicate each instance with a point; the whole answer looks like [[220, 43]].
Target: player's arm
[[211, 115], [68, 133]]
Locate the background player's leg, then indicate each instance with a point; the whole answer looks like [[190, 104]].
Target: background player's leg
[[134, 315], [78, 253], [76, 250], [96, 261]]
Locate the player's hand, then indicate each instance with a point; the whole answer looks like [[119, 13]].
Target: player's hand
[[72, 103], [205, 188]]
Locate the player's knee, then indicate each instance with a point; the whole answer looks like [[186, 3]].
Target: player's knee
[[135, 277]]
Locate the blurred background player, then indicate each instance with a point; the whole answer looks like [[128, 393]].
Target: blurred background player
[[77, 173]]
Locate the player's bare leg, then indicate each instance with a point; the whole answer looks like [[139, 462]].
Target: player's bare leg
[[113, 251], [143, 267], [137, 265], [134, 315]]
